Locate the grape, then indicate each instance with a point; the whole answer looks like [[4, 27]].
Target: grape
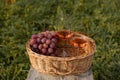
[[38, 40], [34, 36], [45, 45], [32, 41], [50, 50], [40, 46], [49, 36], [35, 45], [47, 32], [53, 33], [52, 45], [54, 53], [48, 41], [44, 50], [32, 48], [54, 40], [37, 50], [40, 35], [43, 40], [56, 37]]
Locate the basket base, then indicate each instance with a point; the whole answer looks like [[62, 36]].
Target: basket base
[[35, 75]]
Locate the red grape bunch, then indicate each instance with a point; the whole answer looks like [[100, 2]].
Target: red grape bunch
[[44, 43]]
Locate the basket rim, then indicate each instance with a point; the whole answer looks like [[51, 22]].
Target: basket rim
[[60, 58]]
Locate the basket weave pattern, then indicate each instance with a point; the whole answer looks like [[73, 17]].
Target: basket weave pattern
[[61, 65]]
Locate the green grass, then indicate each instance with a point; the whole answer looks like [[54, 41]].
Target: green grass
[[100, 19]]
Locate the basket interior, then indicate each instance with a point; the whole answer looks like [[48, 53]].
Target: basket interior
[[85, 44], [72, 44]]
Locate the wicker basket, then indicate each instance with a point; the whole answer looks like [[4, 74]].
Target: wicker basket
[[77, 62]]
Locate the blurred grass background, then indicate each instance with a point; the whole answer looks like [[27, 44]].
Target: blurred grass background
[[19, 19]]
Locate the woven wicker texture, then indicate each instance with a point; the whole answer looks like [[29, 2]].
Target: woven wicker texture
[[76, 60]]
